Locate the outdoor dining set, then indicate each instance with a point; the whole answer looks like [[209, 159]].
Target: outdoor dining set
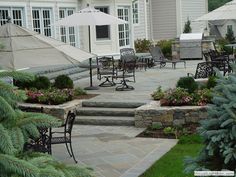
[[124, 69]]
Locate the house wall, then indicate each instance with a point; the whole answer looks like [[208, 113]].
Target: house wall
[[98, 47], [140, 29], [192, 9], [163, 19], [223, 28]]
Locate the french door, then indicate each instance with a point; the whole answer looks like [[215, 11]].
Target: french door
[[124, 29]]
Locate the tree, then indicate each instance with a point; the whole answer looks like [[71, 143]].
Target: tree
[[214, 4], [15, 129], [230, 35], [219, 129], [187, 27]]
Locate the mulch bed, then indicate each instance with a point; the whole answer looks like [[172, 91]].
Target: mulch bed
[[149, 133]]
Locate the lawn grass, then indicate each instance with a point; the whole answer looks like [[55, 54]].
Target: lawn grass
[[171, 164]]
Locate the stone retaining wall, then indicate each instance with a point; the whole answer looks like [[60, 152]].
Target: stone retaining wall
[[59, 111], [168, 115]]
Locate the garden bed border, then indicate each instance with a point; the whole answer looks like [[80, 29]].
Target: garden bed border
[[152, 113]]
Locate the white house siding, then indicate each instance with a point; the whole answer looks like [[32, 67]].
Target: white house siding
[[140, 29], [98, 47], [163, 19], [149, 19], [192, 9], [222, 26]]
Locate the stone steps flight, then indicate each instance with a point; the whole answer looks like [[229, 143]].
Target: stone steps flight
[[106, 113]]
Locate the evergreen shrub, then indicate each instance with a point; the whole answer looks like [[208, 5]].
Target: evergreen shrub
[[187, 83], [41, 82], [219, 129], [63, 81], [211, 83]]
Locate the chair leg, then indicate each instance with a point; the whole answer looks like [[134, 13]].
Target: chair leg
[[72, 153], [68, 150]]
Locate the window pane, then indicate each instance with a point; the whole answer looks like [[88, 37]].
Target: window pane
[[103, 32], [3, 16]]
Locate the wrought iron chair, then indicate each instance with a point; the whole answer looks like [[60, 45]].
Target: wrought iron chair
[[66, 138], [41, 144], [222, 61], [127, 65], [159, 58], [204, 70], [106, 70]]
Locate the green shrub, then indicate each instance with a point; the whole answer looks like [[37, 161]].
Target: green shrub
[[219, 129], [79, 91], [211, 83], [41, 82], [177, 97], [156, 126], [158, 94], [63, 81], [166, 47], [190, 139], [187, 27], [24, 84], [187, 83], [202, 97], [169, 131], [221, 44], [142, 45]]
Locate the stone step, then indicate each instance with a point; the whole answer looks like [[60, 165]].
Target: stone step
[[69, 72], [104, 120], [110, 104], [94, 111]]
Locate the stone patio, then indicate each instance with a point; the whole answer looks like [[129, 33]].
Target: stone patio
[[113, 151]]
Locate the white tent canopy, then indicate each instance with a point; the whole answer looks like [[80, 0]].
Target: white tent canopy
[[89, 16], [23, 48], [225, 12]]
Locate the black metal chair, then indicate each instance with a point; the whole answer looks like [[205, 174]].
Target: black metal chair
[[106, 70], [127, 69], [204, 70], [41, 144], [66, 138]]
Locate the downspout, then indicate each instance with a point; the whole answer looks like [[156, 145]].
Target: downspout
[[151, 20]]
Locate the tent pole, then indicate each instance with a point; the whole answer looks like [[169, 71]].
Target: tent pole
[[91, 87]]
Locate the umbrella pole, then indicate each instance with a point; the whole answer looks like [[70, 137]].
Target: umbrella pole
[[91, 87]]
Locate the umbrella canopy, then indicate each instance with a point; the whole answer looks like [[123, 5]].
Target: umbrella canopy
[[89, 16], [225, 12], [23, 48]]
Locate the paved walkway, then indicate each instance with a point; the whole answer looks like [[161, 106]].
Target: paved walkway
[[114, 151]]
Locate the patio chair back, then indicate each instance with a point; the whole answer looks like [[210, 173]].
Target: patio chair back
[[69, 122], [128, 59], [204, 70], [156, 53], [106, 66]]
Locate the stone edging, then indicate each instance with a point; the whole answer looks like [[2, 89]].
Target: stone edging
[[168, 115], [59, 111]]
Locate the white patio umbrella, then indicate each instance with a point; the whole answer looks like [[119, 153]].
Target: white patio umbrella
[[89, 17], [225, 12], [23, 48]]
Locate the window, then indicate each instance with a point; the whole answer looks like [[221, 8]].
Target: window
[[229, 28], [42, 21], [124, 31], [135, 12], [16, 15], [67, 34], [103, 32]]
